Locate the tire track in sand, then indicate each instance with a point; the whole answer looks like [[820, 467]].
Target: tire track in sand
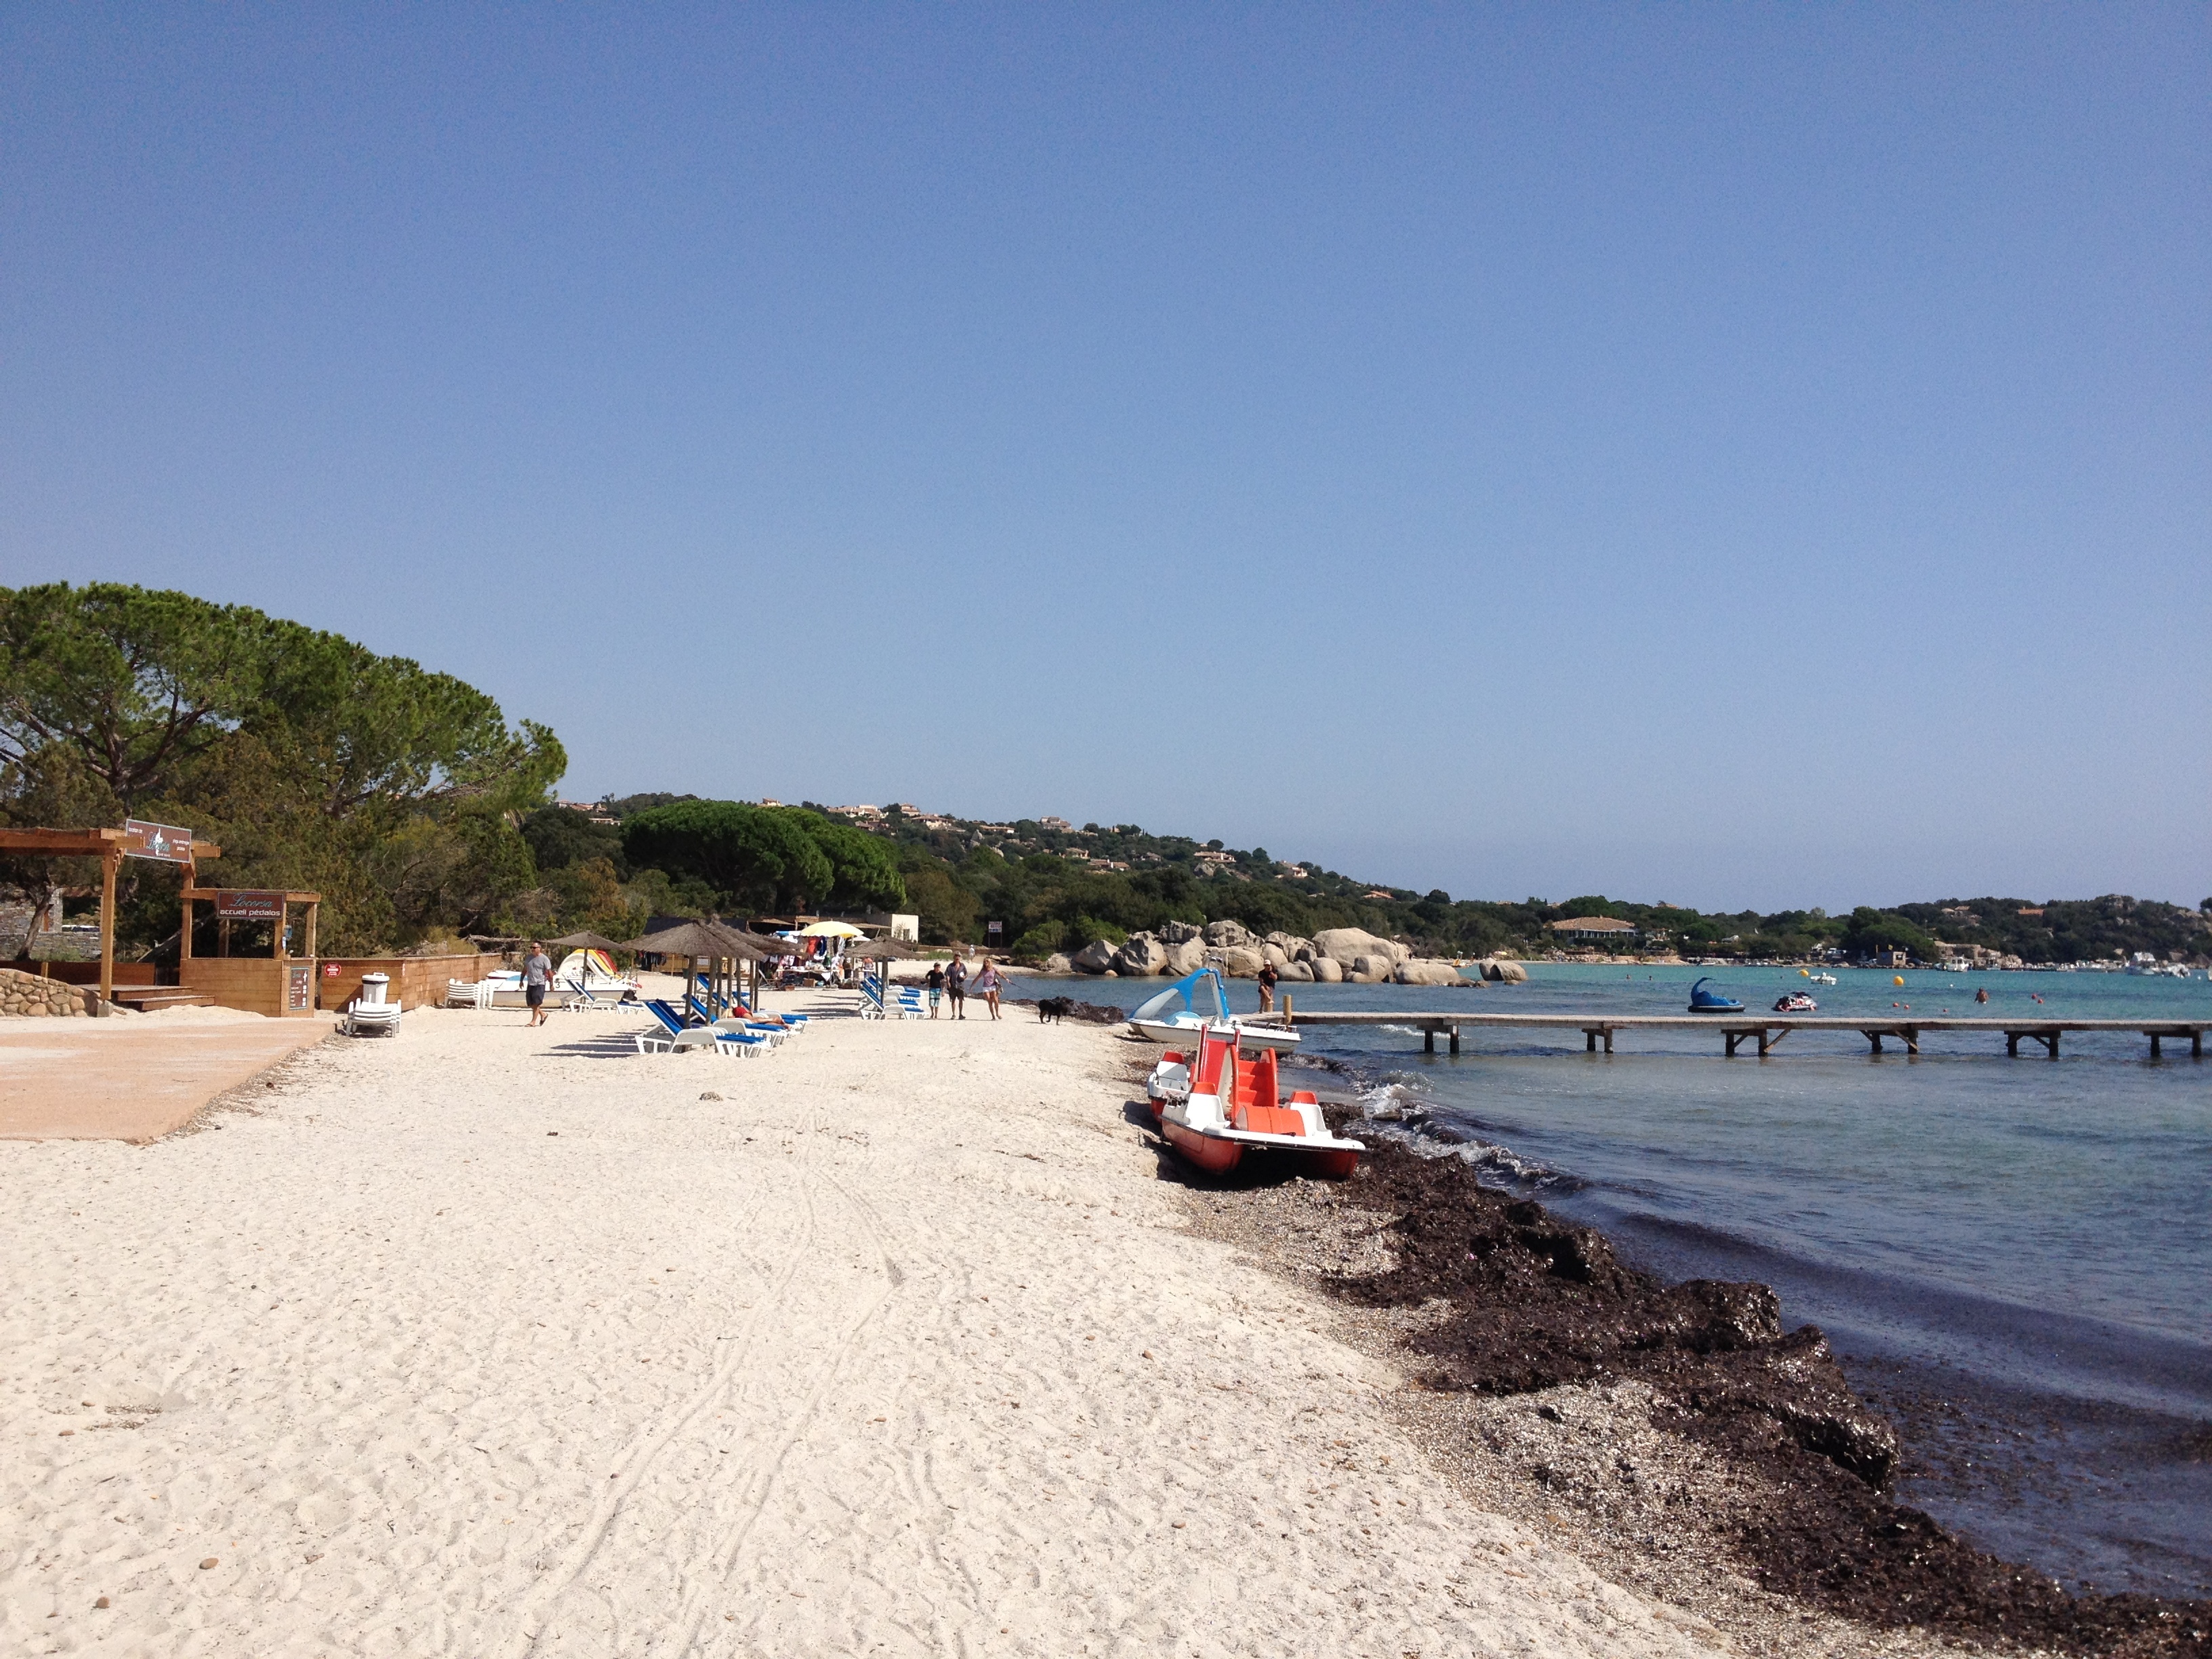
[[531, 1616], [758, 1484]]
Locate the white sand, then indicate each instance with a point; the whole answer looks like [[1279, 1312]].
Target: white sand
[[897, 1348]]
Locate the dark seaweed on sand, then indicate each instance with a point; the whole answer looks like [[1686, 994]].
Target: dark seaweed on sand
[[1538, 1302]]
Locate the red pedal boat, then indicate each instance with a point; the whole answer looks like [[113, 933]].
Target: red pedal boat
[[1216, 1106]]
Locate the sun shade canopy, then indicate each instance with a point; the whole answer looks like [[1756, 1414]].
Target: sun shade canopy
[[704, 939]]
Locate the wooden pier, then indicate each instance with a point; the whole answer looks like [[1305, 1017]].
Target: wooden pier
[[1767, 1029]]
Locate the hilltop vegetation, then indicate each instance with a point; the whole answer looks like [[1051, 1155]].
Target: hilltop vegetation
[[406, 799], [1059, 888]]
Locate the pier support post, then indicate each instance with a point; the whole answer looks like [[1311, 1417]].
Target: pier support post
[[2011, 1044], [2197, 1044], [1874, 1037], [2153, 1045], [1455, 1039], [1911, 1036], [1428, 1039]]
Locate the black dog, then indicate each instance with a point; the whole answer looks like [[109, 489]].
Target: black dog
[[1052, 1008]]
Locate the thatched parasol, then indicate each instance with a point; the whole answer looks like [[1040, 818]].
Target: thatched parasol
[[881, 948], [693, 939], [585, 941]]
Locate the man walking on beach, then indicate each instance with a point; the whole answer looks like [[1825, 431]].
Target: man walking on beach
[[536, 974], [956, 986], [936, 983]]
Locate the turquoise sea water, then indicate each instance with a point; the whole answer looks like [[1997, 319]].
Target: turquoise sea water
[[2015, 1255]]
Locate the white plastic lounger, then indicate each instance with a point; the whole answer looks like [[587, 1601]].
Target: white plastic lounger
[[730, 1045]]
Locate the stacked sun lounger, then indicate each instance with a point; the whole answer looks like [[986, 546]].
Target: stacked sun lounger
[[880, 1001]]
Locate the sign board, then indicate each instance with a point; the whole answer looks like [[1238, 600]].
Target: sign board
[[298, 988], [330, 970], [995, 933], [245, 904], [156, 841]]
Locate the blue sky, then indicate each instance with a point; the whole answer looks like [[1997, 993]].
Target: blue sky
[[1736, 455]]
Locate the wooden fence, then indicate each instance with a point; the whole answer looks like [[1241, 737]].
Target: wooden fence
[[417, 981]]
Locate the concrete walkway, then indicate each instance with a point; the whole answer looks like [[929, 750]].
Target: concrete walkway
[[133, 1077]]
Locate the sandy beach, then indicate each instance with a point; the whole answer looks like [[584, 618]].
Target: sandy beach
[[488, 1340]]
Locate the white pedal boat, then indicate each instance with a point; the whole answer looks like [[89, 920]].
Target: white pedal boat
[[1174, 1016], [1216, 1108]]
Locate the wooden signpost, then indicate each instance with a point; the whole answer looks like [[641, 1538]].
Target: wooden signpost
[[164, 841], [110, 846]]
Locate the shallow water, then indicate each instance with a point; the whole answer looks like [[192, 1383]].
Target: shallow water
[[2013, 1256]]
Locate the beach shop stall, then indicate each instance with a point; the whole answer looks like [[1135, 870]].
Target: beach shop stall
[[281, 983]]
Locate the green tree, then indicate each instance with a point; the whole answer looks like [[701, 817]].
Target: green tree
[[1870, 932], [145, 684], [314, 762], [947, 910], [560, 836], [753, 858], [863, 872]]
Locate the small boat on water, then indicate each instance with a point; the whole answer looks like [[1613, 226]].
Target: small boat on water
[[1822, 979], [1216, 1108], [1795, 1002], [1175, 1014], [1703, 1001]]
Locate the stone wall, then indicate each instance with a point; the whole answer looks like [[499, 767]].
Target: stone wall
[[22, 994]]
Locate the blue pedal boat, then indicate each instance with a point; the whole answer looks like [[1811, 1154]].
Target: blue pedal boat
[[1703, 1001]]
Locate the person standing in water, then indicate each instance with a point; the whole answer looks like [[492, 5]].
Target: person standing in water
[[1268, 979]]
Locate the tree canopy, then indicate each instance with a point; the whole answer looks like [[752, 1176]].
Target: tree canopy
[[765, 858], [315, 763]]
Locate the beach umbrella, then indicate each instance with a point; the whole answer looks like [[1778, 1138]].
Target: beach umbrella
[[829, 930], [882, 948], [711, 939], [584, 941], [703, 939]]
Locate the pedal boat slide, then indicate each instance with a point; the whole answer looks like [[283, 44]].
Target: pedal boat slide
[[1159, 1017], [1215, 1107]]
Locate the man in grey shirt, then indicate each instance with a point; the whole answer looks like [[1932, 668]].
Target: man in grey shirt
[[536, 974]]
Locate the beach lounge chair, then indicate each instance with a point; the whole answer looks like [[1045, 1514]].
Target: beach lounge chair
[[674, 1035], [898, 1002], [730, 1044], [737, 1010], [739, 1019]]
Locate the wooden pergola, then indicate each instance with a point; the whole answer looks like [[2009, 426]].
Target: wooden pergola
[[109, 846]]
